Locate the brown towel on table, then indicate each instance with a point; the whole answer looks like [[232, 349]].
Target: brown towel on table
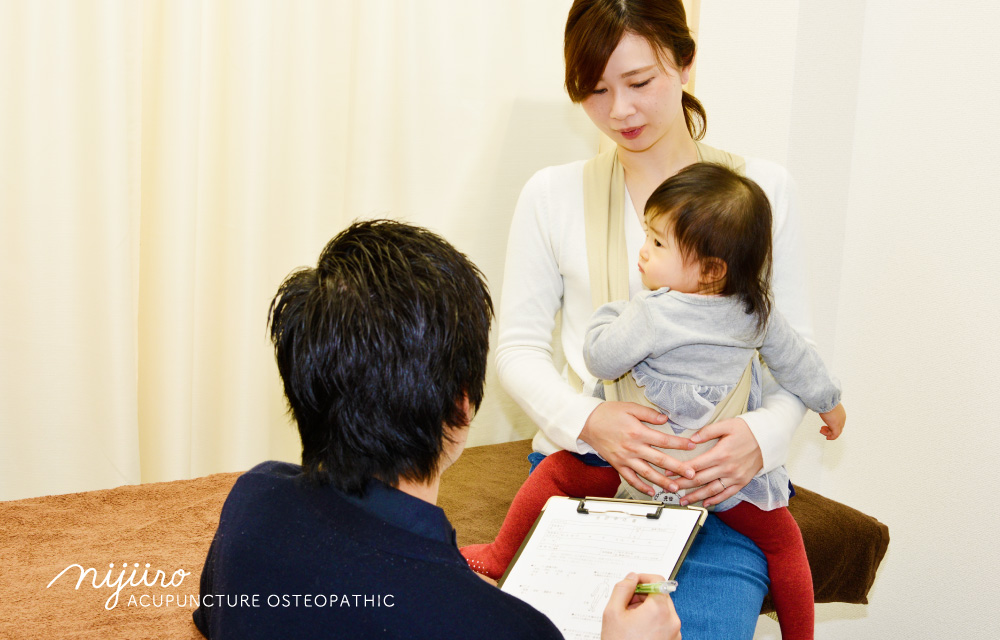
[[170, 526]]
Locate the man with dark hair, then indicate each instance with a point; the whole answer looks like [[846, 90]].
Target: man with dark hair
[[377, 347], [382, 352]]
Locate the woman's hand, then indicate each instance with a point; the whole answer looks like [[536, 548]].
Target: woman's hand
[[616, 431], [725, 468]]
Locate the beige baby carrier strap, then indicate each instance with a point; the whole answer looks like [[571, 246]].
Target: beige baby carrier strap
[[607, 255]]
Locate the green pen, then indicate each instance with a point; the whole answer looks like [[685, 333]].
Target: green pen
[[656, 587]]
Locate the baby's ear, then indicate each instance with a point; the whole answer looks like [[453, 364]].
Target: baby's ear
[[713, 270]]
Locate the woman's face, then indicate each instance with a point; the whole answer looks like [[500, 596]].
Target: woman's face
[[637, 102]]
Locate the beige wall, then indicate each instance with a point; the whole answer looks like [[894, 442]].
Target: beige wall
[[230, 125], [163, 165], [886, 114]]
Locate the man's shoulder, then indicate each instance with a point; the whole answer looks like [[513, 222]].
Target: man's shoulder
[[267, 476], [268, 487], [275, 468]]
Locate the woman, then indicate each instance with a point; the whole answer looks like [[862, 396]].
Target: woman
[[626, 62]]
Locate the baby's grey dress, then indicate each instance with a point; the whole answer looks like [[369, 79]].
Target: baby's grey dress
[[688, 352]]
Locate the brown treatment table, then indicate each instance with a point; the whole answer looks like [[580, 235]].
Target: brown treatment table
[[170, 525]]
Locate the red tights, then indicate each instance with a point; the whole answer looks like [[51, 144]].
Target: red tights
[[562, 474], [778, 536]]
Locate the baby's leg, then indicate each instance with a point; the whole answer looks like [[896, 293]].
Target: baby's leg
[[778, 536], [560, 474]]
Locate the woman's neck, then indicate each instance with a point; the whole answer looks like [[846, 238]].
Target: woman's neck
[[646, 170]]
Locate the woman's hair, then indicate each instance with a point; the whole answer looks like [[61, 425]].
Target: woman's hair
[[713, 212], [595, 27], [377, 347]]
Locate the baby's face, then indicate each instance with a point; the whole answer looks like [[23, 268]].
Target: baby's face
[[662, 264]]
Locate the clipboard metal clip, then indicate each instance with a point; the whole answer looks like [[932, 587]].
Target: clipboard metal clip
[[653, 515]]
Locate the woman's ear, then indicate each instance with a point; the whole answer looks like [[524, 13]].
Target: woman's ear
[[685, 71]]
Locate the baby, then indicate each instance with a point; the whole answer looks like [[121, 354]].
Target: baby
[[687, 342]]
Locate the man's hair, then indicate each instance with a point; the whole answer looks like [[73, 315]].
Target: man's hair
[[377, 347], [713, 212]]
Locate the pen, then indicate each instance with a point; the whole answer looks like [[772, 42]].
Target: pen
[[657, 587]]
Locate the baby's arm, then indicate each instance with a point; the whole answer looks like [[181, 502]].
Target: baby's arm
[[797, 367], [618, 338], [834, 421]]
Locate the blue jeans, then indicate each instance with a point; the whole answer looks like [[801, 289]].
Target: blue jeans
[[721, 584]]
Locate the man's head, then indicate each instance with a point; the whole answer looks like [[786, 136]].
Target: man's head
[[378, 347]]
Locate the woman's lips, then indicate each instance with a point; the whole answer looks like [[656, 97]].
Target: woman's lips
[[632, 134]]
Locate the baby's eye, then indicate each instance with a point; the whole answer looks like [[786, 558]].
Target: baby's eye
[[657, 243]]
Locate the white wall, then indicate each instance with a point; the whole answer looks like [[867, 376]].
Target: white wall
[[163, 166], [885, 111], [886, 114]]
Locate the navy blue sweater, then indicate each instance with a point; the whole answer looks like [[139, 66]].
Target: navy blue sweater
[[293, 560]]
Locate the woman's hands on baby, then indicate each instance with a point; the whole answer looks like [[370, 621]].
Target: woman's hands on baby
[[725, 468], [616, 431]]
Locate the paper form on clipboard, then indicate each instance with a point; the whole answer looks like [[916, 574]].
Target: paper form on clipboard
[[579, 548]]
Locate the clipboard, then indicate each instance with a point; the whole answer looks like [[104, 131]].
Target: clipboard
[[578, 548]]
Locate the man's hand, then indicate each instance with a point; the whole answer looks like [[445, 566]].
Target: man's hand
[[629, 616]]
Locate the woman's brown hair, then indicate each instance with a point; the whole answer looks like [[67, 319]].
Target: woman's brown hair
[[595, 27]]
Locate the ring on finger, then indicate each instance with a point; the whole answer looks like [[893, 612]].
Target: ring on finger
[[723, 484]]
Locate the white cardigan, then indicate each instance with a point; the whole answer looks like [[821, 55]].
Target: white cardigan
[[547, 270]]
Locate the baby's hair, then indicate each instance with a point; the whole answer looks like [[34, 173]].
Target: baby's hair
[[713, 212]]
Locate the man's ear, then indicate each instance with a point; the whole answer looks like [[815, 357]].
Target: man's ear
[[466, 407], [455, 437], [713, 271]]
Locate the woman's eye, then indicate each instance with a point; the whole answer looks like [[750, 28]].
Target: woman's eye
[[640, 85], [599, 92]]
